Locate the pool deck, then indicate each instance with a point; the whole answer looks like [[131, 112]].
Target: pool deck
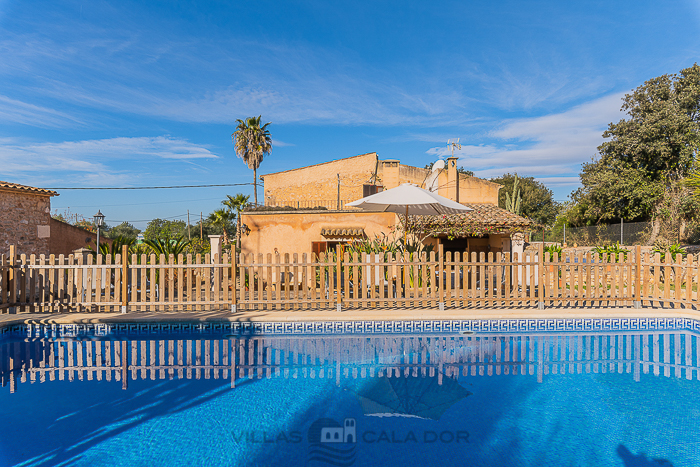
[[347, 315]]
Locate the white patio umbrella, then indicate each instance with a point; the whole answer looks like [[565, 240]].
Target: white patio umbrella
[[409, 199]]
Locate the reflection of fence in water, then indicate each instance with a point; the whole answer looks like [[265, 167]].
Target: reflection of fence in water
[[672, 353]]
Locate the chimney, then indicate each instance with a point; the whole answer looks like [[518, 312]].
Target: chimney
[[390, 173], [452, 179]]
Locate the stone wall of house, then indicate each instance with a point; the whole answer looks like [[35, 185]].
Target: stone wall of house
[[318, 184], [24, 222], [66, 238]]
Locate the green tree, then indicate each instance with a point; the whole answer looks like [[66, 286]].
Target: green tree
[[124, 230], [160, 228], [647, 155], [89, 226], [537, 201], [252, 142], [460, 169]]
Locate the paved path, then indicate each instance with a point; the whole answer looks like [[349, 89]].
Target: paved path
[[348, 315]]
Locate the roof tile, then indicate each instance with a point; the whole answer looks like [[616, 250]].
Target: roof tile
[[31, 189]]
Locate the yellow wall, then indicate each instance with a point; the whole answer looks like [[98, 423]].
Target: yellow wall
[[317, 185], [293, 232]]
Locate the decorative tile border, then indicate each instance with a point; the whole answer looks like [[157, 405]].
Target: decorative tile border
[[353, 327]]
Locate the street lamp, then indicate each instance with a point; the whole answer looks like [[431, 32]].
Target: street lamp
[[99, 220]]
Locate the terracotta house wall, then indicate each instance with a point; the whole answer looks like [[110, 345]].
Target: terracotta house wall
[[320, 182], [294, 232], [24, 222], [66, 238]]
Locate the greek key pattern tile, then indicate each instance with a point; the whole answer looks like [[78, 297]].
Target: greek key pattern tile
[[352, 327]]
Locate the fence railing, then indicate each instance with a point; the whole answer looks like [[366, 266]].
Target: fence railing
[[330, 204], [340, 280]]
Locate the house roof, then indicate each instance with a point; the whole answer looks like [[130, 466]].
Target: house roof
[[316, 165], [483, 219], [7, 186], [493, 215]]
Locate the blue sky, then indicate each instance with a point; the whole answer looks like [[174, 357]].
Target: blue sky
[[100, 93]]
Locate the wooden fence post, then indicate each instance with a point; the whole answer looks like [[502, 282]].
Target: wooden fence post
[[338, 281], [11, 285], [234, 255], [638, 278], [125, 277], [441, 271], [540, 276]]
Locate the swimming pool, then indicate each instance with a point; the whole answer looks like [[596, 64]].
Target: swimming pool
[[521, 392]]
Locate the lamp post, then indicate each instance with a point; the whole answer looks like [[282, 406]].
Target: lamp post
[[99, 220]]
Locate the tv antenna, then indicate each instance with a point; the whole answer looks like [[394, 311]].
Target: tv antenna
[[454, 143]]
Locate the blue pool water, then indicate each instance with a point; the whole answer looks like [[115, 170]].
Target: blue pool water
[[487, 399]]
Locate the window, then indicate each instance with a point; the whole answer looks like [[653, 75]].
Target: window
[[321, 247], [368, 190]]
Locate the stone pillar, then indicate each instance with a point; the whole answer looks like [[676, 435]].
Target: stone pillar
[[517, 244], [215, 241], [452, 179], [390, 173], [84, 252]]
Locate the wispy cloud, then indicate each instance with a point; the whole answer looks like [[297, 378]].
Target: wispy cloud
[[16, 111], [553, 145], [93, 160], [288, 83], [281, 144]]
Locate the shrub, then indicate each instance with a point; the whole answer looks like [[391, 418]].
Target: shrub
[[611, 253]]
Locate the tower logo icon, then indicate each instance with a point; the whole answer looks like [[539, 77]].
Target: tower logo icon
[[331, 442]]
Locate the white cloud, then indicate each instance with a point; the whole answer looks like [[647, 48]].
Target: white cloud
[[281, 144], [549, 145], [15, 111], [91, 159]]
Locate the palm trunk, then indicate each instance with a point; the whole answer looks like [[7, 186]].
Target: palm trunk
[[255, 185]]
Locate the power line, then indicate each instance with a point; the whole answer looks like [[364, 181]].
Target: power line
[[135, 204], [146, 187], [148, 220]]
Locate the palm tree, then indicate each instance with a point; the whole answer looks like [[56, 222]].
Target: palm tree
[[237, 203], [221, 217], [252, 142], [168, 245]]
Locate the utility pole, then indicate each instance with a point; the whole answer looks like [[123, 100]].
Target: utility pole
[[189, 237], [201, 226]]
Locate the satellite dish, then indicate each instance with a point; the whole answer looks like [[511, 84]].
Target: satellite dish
[[431, 183]]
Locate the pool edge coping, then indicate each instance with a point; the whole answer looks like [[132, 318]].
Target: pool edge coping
[[349, 315]]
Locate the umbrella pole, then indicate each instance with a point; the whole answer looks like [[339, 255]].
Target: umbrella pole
[[405, 229]]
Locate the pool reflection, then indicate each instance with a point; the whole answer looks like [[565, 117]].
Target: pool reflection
[[671, 354]]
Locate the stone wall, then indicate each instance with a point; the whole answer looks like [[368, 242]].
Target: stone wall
[[24, 222], [66, 238], [319, 183]]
